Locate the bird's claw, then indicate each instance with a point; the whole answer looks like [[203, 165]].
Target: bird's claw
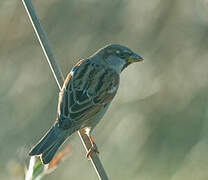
[[91, 150]]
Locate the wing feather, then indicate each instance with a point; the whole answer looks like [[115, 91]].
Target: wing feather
[[86, 90]]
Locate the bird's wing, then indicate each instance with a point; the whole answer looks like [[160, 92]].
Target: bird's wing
[[86, 90]]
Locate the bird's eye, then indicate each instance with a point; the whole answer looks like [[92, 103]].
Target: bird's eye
[[124, 55], [118, 52]]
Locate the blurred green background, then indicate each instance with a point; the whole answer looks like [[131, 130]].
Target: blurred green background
[[157, 126]]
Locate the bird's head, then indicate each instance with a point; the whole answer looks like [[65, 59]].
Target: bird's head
[[118, 56]]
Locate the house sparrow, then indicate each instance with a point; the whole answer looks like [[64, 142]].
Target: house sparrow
[[85, 96]]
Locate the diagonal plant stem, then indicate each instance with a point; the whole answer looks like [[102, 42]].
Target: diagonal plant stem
[[59, 79], [41, 35], [29, 172]]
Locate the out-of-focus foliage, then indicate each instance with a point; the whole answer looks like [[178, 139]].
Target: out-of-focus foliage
[[157, 126]]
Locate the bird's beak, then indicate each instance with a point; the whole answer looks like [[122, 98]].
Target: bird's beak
[[135, 58]]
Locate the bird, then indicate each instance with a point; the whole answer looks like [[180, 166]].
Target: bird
[[87, 92]]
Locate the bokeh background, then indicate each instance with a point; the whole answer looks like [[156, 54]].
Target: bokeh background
[[157, 126]]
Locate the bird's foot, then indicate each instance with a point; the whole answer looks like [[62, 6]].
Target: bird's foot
[[91, 150]]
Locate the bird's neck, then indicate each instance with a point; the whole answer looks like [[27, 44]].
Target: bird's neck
[[116, 63]]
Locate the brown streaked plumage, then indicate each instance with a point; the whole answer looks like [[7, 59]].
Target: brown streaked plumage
[[85, 96]]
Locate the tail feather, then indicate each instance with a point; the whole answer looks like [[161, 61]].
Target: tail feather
[[48, 155], [49, 144]]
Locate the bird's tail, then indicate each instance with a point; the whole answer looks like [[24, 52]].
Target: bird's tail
[[49, 144]]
